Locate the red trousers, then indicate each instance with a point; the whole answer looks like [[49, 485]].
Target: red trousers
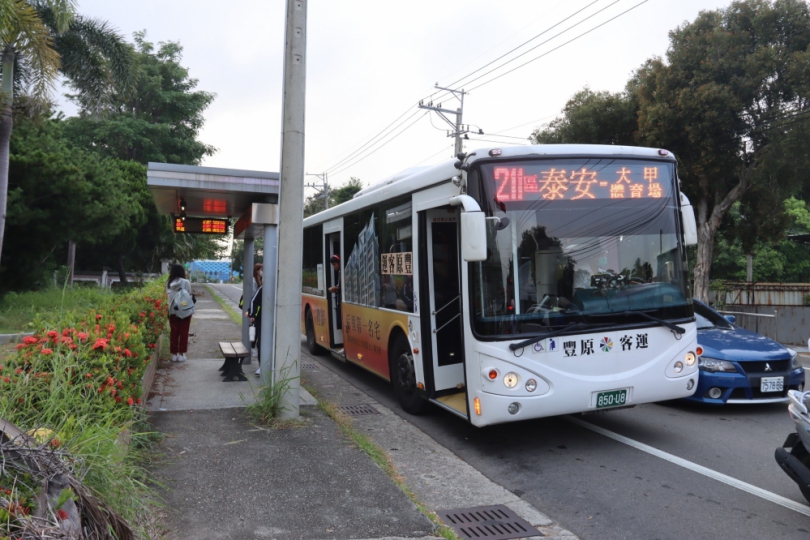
[[178, 339]]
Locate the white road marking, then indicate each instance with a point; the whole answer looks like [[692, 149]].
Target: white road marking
[[714, 475], [237, 288]]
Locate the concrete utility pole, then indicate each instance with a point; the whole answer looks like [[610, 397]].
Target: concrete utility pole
[[458, 129], [287, 346], [324, 185]]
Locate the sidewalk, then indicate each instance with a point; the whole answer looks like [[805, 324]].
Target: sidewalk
[[228, 479]]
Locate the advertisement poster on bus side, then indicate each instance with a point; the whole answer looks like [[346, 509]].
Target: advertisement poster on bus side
[[366, 333]]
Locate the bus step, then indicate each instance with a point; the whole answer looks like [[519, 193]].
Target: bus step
[[338, 354], [455, 403]]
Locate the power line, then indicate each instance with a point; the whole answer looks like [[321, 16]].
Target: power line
[[526, 124], [500, 43], [379, 147], [432, 156], [532, 39], [496, 142], [556, 48], [447, 94], [399, 120], [373, 140], [507, 136]]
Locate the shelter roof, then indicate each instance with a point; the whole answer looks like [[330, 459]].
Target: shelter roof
[[209, 191]]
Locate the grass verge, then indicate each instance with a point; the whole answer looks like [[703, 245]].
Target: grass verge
[[382, 459], [232, 313], [19, 310]]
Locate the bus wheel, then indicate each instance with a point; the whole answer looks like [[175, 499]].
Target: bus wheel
[[403, 377], [312, 345]]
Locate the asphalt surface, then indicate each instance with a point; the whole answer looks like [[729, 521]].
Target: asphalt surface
[[597, 487]]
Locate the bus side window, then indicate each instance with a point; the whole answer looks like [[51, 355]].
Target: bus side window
[[396, 256], [312, 280]]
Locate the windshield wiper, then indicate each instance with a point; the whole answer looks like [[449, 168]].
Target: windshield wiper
[[671, 326], [534, 339]]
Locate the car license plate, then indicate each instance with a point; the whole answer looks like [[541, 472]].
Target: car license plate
[[772, 384], [611, 399]]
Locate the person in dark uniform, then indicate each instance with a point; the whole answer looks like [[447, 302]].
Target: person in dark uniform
[[255, 315], [335, 260]]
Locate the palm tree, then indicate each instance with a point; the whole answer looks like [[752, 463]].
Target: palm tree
[[41, 39]]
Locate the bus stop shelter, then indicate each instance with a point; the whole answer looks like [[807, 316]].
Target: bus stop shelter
[[199, 198]]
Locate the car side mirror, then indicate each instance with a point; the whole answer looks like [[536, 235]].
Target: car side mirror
[[473, 236], [731, 318]]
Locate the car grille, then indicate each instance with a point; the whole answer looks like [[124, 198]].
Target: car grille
[[777, 366]]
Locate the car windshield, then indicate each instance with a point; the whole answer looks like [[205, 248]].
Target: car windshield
[[709, 318], [576, 240]]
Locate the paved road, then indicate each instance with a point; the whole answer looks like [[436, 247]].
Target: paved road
[[600, 488]]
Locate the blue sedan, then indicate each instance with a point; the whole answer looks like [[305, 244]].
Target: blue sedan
[[739, 366]]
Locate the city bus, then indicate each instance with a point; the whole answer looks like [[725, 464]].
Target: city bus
[[511, 283]]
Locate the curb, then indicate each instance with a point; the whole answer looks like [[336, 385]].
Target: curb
[[14, 338], [437, 477]]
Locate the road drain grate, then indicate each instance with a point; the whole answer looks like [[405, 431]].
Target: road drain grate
[[309, 366], [488, 522], [357, 410]]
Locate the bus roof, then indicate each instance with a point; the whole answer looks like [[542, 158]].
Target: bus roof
[[419, 178]]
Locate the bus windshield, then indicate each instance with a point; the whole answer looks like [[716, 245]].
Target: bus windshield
[[577, 240]]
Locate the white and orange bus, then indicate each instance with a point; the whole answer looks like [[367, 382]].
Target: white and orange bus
[[512, 283]]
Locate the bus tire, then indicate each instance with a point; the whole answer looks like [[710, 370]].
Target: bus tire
[[403, 377], [312, 344]]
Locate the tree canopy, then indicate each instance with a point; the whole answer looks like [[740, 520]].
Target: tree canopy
[[160, 121], [41, 39], [315, 203], [57, 193]]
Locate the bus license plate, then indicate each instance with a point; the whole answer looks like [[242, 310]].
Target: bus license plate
[[611, 399], [772, 384]]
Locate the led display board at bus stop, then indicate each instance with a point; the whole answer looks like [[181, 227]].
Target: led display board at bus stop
[[201, 225]]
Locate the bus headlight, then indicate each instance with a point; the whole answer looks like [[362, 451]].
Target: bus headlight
[[531, 385], [690, 359], [678, 366], [513, 408], [510, 380]]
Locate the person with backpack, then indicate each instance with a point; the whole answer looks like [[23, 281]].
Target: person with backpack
[[181, 308]]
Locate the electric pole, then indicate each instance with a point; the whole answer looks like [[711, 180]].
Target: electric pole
[[324, 185], [457, 128], [287, 301]]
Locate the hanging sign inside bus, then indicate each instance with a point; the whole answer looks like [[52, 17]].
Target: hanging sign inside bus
[[397, 263], [554, 183], [201, 225]]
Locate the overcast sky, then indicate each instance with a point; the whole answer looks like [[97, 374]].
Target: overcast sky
[[370, 61]]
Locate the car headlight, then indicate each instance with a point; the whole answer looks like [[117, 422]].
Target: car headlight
[[794, 359], [713, 365]]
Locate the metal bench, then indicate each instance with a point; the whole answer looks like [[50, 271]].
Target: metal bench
[[234, 353]]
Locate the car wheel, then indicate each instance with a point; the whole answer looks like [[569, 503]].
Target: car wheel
[[312, 344], [403, 377]]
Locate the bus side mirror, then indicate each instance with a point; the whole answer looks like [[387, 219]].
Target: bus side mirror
[[690, 237], [473, 236]]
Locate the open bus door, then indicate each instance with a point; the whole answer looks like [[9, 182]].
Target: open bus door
[[332, 246], [441, 315]]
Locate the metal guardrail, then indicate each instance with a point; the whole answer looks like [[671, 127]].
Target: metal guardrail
[[767, 329], [765, 315]]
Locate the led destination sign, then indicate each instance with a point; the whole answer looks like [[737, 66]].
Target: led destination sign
[[549, 182], [201, 225]]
